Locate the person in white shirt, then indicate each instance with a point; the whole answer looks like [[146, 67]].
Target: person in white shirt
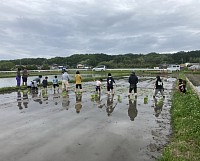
[[98, 86], [55, 83], [65, 80]]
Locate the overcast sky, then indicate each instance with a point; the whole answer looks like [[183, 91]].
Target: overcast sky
[[49, 28]]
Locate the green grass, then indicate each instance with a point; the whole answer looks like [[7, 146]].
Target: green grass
[[185, 141], [11, 89]]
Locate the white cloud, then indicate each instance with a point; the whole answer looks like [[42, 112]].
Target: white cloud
[[48, 28]]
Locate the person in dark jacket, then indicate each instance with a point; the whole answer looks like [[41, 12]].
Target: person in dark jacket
[[159, 87], [133, 80], [45, 83], [24, 77], [110, 82]]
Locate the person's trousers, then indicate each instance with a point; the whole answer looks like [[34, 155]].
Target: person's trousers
[[18, 78]]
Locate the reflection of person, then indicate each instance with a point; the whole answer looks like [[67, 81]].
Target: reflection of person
[[133, 80], [65, 80], [159, 87], [19, 100], [65, 101], [98, 99], [132, 110], [110, 82], [158, 106], [36, 98], [110, 108], [56, 97], [24, 77], [25, 99], [78, 104], [18, 77], [78, 81]]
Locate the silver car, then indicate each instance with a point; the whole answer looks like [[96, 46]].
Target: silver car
[[99, 68]]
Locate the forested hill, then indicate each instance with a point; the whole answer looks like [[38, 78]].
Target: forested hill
[[111, 61]]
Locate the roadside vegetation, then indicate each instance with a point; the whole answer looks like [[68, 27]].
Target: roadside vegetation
[[184, 144]]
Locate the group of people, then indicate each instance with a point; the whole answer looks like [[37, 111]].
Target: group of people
[[21, 77], [133, 80]]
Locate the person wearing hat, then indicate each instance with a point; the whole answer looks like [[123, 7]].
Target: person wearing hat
[[133, 80]]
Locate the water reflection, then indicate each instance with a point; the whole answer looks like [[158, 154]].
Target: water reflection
[[56, 98], [110, 104], [132, 110], [22, 99], [36, 97], [98, 99], [45, 96], [19, 100], [78, 104], [65, 101], [158, 105], [25, 99]]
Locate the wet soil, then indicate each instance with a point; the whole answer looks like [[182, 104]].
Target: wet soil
[[74, 127]]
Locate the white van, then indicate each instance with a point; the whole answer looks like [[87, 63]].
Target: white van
[[173, 68], [99, 68]]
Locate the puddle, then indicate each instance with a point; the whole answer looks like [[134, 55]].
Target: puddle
[[87, 126]]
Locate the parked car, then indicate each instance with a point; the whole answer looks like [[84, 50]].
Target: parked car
[[194, 67], [99, 68], [173, 68]]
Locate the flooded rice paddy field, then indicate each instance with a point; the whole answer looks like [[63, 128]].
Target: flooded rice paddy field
[[195, 79], [49, 127]]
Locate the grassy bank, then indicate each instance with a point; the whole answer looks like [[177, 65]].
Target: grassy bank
[[185, 141]]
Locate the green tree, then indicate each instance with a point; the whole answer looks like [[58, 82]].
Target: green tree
[[6, 66]]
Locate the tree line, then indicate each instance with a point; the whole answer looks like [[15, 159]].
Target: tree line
[[129, 60]]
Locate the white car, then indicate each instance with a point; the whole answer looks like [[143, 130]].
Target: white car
[[99, 68], [194, 67], [173, 68]]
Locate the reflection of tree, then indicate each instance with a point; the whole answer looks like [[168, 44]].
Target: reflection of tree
[[158, 106], [132, 110], [110, 108], [78, 104]]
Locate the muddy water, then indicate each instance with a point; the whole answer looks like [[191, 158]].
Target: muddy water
[[85, 127]]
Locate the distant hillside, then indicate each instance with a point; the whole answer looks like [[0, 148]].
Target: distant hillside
[[111, 61]]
